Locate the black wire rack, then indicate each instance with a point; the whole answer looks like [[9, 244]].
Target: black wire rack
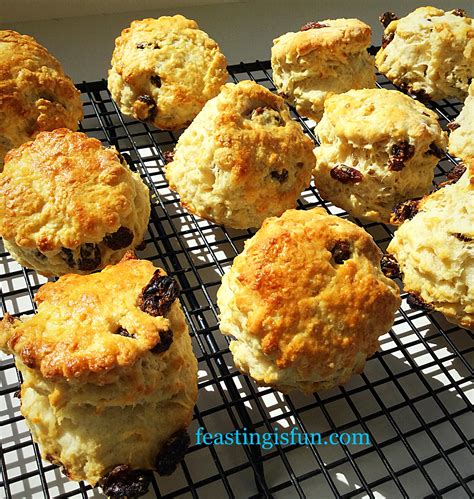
[[412, 399]]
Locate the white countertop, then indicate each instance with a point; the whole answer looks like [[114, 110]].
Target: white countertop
[[243, 29]]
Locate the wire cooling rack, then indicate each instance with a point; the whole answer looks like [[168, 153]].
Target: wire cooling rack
[[412, 399]]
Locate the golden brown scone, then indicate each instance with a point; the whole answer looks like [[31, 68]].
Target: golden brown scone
[[68, 204], [243, 158], [164, 70], [461, 139], [435, 250], [378, 147], [429, 53], [109, 375], [35, 94], [306, 302], [322, 58]]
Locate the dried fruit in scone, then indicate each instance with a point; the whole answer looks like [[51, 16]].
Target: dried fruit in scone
[[164, 70], [322, 58], [242, 159], [461, 138], [35, 94], [108, 386], [378, 147], [429, 53], [306, 301], [68, 204], [435, 250]]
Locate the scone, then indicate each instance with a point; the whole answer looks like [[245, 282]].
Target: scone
[[378, 148], [68, 204], [322, 58], [164, 70], [306, 301], [429, 53], [435, 251], [461, 139], [35, 94], [109, 374], [243, 158]]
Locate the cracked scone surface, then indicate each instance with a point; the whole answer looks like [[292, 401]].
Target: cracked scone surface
[[103, 386], [68, 204], [306, 301], [243, 158], [35, 94], [378, 147], [329, 58], [164, 70], [430, 53], [435, 250], [461, 139]]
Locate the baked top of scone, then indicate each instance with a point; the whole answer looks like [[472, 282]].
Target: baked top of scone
[[165, 69], [61, 190], [35, 94], [88, 325], [309, 288], [351, 35], [368, 116], [461, 138]]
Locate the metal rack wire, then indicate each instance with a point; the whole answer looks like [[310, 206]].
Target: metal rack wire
[[412, 398]]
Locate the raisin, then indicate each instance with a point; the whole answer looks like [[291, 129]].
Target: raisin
[[386, 18], [151, 110], [415, 301], [149, 45], [346, 174], [141, 246], [460, 12], [400, 152], [17, 394], [313, 25], [168, 156], [119, 239], [453, 126], [341, 252], [404, 211], [280, 176], [90, 257], [123, 332], [456, 173], [69, 257], [124, 482], [156, 80], [283, 95], [40, 255], [166, 338], [420, 94], [158, 295], [172, 453], [386, 39], [389, 266], [434, 150], [462, 237]]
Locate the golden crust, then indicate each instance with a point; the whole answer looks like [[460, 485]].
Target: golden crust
[[164, 70], [63, 190], [35, 94], [242, 159], [435, 250], [74, 333], [429, 52], [307, 319], [351, 35]]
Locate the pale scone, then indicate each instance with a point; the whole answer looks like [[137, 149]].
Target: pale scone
[[109, 375], [35, 94], [435, 250], [68, 204], [322, 58], [306, 301], [378, 148], [243, 158], [164, 70], [461, 139], [429, 53]]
